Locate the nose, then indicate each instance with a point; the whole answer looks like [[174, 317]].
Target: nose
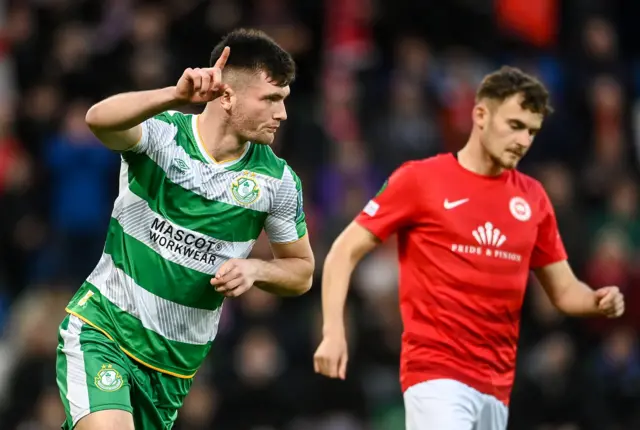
[[525, 139], [281, 113]]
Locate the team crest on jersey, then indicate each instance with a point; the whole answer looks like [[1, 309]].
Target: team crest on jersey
[[520, 209], [108, 378], [245, 189]]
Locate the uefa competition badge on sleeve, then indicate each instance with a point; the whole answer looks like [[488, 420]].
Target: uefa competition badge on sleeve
[[108, 378], [299, 206], [245, 189]]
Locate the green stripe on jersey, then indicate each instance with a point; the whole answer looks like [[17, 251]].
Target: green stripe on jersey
[[184, 137], [190, 210], [160, 276], [128, 332], [260, 159]]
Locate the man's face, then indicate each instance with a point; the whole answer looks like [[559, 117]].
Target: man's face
[[507, 130], [258, 108]]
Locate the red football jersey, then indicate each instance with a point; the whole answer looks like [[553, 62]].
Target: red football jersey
[[466, 245]]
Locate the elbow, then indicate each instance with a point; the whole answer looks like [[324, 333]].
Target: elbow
[[560, 306], [306, 282], [305, 286], [298, 289], [91, 118]]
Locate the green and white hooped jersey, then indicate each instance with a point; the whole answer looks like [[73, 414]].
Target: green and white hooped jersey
[[178, 217]]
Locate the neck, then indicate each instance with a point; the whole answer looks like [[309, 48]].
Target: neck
[[219, 139], [473, 157]]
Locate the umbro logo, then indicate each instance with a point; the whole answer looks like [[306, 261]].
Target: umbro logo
[[454, 204], [180, 164]]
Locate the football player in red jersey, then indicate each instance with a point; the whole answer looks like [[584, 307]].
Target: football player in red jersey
[[468, 236]]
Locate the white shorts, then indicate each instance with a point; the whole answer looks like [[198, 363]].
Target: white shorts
[[445, 404]]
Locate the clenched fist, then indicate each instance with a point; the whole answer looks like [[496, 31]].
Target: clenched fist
[[331, 357], [234, 277], [610, 301], [203, 85]]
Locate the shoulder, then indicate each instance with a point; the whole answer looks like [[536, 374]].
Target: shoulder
[[426, 165], [532, 190], [174, 118], [167, 124], [265, 162], [422, 168], [527, 184]]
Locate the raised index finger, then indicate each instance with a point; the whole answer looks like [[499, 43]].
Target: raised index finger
[[223, 58]]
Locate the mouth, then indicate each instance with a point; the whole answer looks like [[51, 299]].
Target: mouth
[[515, 154]]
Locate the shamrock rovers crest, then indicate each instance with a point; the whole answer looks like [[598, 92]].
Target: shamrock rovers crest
[[108, 378], [245, 188]]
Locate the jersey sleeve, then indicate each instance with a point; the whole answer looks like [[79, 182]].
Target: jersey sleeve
[[286, 220], [394, 207], [548, 248], [157, 132]]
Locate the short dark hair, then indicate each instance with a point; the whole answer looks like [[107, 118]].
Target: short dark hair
[[508, 81], [255, 51]]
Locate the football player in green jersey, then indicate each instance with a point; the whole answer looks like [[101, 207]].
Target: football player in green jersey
[[196, 191]]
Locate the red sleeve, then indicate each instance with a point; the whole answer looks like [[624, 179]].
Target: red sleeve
[[549, 247], [395, 204]]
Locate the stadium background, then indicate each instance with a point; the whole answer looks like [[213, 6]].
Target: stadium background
[[379, 82]]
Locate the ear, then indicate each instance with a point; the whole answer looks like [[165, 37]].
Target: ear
[[480, 115], [228, 98]]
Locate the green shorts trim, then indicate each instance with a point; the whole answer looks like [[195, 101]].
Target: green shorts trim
[[93, 375]]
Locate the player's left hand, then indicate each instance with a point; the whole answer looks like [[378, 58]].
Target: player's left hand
[[235, 277], [610, 302]]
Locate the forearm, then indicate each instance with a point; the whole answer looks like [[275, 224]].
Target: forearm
[[335, 286], [284, 276], [124, 111], [578, 300]]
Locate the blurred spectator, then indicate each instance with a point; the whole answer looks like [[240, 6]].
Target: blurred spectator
[[615, 382], [82, 181], [461, 74], [550, 387], [200, 408], [346, 184], [608, 157], [408, 130], [560, 186], [19, 232], [28, 360]]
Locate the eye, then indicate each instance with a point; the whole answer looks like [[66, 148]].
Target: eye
[[516, 125]]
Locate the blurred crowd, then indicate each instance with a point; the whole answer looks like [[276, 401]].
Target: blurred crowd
[[379, 82]]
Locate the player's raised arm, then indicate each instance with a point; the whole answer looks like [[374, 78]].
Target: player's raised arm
[[116, 120]]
